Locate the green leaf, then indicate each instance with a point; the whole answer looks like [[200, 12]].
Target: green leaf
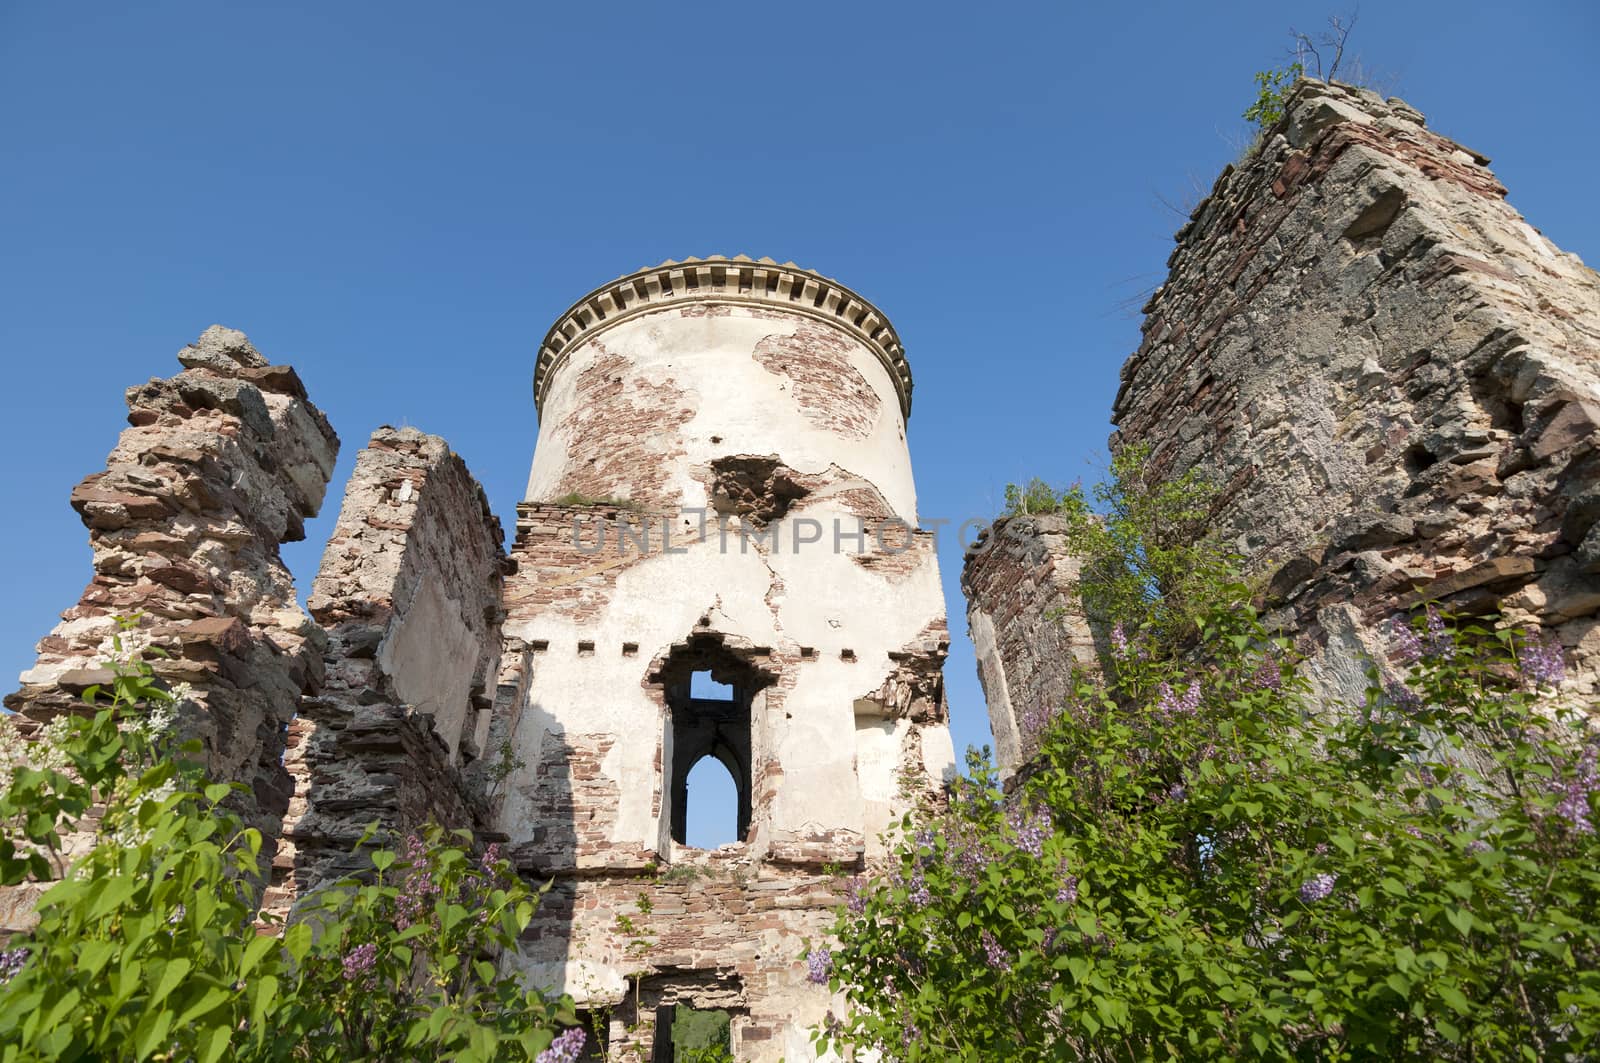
[[212, 1044], [1453, 997], [255, 951]]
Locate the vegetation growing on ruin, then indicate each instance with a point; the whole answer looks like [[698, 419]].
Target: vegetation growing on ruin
[[148, 947], [1206, 860]]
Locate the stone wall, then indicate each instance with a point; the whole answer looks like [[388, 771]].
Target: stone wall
[[1027, 627], [722, 931], [1395, 378], [1392, 378], [221, 464], [409, 593]]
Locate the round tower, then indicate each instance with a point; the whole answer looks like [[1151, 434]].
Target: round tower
[[648, 380], [721, 492]]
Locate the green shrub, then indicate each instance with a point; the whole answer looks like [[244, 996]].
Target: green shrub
[[1271, 88], [148, 946], [1204, 861], [1035, 498]]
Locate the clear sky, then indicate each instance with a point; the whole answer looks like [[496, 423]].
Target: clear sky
[[399, 198]]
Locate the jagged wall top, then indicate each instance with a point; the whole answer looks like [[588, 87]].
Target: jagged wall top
[[738, 280]]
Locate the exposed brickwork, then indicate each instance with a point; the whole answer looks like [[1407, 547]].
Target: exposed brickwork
[[720, 930], [409, 592], [829, 390], [223, 462], [619, 435], [1394, 377], [1027, 626]]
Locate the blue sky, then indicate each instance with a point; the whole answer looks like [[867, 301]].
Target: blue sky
[[398, 199]]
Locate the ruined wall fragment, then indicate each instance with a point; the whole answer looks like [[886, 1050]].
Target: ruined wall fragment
[[409, 593], [1027, 626], [222, 463], [1392, 376]]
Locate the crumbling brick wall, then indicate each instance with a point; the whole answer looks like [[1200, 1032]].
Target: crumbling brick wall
[[1027, 626], [409, 593], [1393, 377], [1394, 382], [222, 463]]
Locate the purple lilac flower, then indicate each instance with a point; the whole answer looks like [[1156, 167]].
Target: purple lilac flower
[[1543, 664], [1119, 641], [1401, 696], [918, 893], [1576, 791], [566, 1048], [1267, 676], [1437, 638], [1477, 845], [819, 963], [1035, 720], [971, 856], [1170, 706], [1068, 893], [1031, 829], [1317, 887], [360, 961], [418, 891], [856, 893], [995, 956], [1407, 646], [1177, 792], [491, 857], [11, 962]]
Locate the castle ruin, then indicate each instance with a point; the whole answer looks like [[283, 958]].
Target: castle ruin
[[1393, 378], [721, 486]]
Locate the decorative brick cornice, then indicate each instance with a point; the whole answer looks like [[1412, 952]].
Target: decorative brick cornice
[[738, 281]]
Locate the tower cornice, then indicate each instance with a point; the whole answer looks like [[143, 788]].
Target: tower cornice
[[737, 281]]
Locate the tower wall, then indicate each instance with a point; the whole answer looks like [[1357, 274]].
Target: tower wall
[[752, 433]]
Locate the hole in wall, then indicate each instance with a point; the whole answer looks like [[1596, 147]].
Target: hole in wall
[[685, 1034], [711, 814], [1418, 458], [709, 690], [702, 685], [759, 488]]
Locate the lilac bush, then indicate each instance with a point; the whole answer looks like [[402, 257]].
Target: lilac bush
[[1231, 867], [148, 947]]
